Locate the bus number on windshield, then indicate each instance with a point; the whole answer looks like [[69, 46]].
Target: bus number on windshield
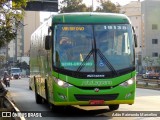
[[114, 27]]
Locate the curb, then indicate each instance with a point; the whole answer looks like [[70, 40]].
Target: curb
[[9, 104]]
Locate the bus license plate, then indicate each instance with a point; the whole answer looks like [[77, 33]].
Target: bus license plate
[[96, 102]]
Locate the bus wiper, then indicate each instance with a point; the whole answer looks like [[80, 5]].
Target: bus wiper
[[108, 64], [85, 60]]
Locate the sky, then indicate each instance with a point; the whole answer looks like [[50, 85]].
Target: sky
[[89, 3], [121, 2]]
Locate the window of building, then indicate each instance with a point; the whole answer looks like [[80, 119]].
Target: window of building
[[154, 26], [154, 41], [154, 54]]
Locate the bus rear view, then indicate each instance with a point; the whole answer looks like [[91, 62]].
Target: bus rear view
[[92, 61]]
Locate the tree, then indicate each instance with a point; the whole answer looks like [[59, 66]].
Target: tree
[[108, 6], [73, 6], [149, 61], [22, 65], [158, 61], [10, 19]]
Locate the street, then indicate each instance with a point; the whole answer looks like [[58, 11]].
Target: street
[[24, 99]]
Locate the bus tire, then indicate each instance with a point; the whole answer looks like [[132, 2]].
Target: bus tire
[[37, 97], [30, 88], [113, 107], [56, 108]]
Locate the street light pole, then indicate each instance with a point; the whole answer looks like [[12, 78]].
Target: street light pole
[[16, 46], [92, 5]]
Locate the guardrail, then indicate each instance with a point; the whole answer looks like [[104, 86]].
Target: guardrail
[[155, 83], [147, 81], [7, 107]]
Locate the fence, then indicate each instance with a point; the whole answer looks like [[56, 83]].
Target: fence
[[155, 83]]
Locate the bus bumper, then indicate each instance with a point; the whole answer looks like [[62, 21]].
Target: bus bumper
[[76, 96]]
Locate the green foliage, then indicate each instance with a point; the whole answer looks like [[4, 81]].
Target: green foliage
[[19, 4], [78, 6], [73, 6], [22, 65], [158, 60], [108, 6], [148, 60], [10, 20]]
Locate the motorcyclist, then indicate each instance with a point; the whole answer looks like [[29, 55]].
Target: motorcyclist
[[6, 79]]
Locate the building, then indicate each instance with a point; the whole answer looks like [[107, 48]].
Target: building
[[20, 46], [133, 11], [151, 34], [15, 47], [31, 23]]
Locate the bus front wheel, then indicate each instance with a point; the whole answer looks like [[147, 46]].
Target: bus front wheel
[[56, 108], [113, 107]]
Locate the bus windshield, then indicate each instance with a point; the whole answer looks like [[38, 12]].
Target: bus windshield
[[93, 48], [15, 70]]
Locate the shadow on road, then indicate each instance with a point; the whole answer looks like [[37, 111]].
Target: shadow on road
[[70, 111]]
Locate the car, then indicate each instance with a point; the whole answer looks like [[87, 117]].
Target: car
[[151, 75]]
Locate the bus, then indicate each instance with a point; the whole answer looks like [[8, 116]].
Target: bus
[[15, 73], [85, 59]]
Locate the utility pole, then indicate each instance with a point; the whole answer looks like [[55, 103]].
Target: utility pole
[[92, 6]]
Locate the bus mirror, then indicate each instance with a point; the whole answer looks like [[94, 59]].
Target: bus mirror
[[135, 40], [47, 42]]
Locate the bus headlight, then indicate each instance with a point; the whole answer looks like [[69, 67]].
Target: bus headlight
[[128, 82], [62, 83]]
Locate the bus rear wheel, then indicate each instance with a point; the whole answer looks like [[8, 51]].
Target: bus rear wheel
[[38, 98], [113, 107]]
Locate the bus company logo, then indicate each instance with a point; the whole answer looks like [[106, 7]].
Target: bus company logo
[[96, 83], [96, 89]]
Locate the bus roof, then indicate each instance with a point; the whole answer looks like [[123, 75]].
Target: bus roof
[[90, 17]]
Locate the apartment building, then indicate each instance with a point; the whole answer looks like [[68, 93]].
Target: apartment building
[[151, 32], [133, 11], [31, 23], [19, 47]]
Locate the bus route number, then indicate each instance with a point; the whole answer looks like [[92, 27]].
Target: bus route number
[[73, 28]]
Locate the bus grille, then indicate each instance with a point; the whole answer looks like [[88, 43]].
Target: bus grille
[[105, 97]]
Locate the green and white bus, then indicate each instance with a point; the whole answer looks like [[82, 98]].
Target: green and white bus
[[84, 59]]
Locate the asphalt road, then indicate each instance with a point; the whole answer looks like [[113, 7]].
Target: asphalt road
[[24, 99]]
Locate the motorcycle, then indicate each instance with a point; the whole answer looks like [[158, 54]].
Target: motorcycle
[[6, 81]]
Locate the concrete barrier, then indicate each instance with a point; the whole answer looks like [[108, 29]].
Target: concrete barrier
[[7, 107]]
